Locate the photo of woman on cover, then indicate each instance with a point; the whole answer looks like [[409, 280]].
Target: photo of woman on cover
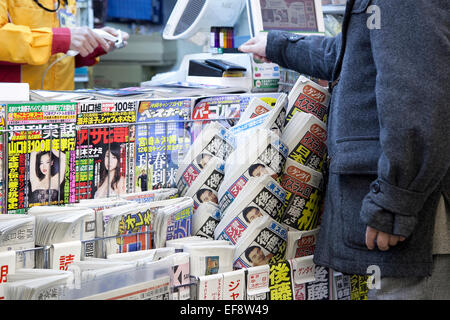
[[47, 172], [111, 180]]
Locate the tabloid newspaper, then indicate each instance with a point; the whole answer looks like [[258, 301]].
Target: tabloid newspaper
[[152, 195], [205, 220], [180, 276], [206, 186], [305, 137], [213, 142], [7, 268], [301, 243], [210, 258], [307, 96], [41, 154], [263, 242], [18, 232], [260, 196], [255, 108], [264, 154], [105, 149], [161, 139], [303, 187]]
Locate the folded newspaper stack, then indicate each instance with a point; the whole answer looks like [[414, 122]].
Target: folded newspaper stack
[[301, 243], [213, 142], [37, 284], [255, 108], [263, 242], [152, 195], [305, 137], [205, 187], [309, 97], [205, 220], [17, 232], [303, 187], [272, 120], [260, 196], [210, 258], [265, 153], [179, 244], [172, 220]]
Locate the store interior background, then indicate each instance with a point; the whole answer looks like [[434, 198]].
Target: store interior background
[[147, 53]]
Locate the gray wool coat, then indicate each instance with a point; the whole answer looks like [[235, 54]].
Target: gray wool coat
[[388, 130]]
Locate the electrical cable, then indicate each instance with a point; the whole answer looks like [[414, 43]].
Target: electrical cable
[[49, 67]]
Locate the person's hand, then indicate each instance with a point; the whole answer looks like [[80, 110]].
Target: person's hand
[[257, 46], [383, 240], [115, 33], [84, 40]]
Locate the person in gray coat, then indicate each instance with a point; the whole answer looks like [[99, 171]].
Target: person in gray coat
[[388, 141]]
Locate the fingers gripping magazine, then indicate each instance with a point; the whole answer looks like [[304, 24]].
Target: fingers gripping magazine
[[263, 242], [265, 154], [309, 97], [261, 196], [303, 187], [306, 137]]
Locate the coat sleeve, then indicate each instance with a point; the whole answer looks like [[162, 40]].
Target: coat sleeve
[[312, 55], [25, 45], [411, 54]]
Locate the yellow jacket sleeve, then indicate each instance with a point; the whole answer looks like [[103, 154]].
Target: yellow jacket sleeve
[[22, 44]]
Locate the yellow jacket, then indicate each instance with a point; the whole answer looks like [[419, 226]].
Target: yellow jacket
[[31, 39]]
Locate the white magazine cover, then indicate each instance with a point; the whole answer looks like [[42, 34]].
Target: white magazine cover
[[255, 107], [304, 193], [266, 153], [206, 186], [306, 138], [261, 196], [210, 259], [309, 97], [213, 141], [301, 243], [205, 220], [18, 232], [263, 242], [272, 120]]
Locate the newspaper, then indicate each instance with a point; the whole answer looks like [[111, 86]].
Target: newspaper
[[7, 268], [319, 289], [179, 244], [255, 108], [234, 285], [142, 256], [205, 220], [265, 154], [260, 196], [64, 253], [272, 120], [180, 276], [258, 282], [301, 243], [18, 232], [305, 137], [37, 285], [304, 188], [210, 287], [263, 242], [152, 195], [172, 221], [213, 141], [309, 97], [210, 259]]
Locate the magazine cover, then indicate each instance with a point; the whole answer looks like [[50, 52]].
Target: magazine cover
[[306, 137], [161, 140], [303, 187], [3, 137], [41, 155], [307, 96], [263, 242], [262, 196], [105, 149]]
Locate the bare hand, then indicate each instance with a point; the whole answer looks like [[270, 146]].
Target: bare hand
[[257, 46], [85, 41], [383, 240], [115, 33]]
